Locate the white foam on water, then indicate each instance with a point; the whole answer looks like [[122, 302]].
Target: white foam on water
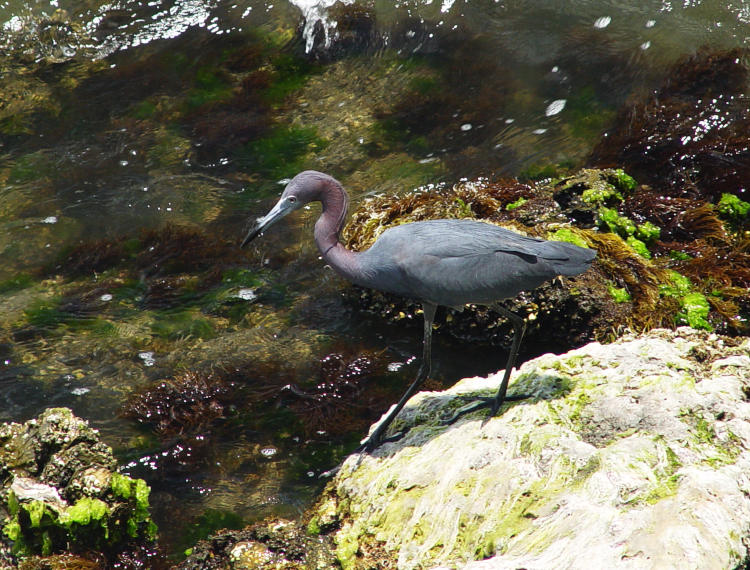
[[555, 107], [315, 11]]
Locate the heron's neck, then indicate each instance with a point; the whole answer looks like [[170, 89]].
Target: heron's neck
[[335, 202]]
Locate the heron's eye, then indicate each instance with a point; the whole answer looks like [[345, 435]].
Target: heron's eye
[[292, 199]]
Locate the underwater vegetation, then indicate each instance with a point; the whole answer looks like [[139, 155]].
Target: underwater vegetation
[[189, 411], [341, 399], [454, 108], [689, 147], [195, 103], [689, 139], [201, 423], [188, 403], [335, 395], [459, 109], [184, 280], [149, 253]]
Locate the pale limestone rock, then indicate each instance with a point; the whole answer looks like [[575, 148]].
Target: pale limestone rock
[[631, 455]]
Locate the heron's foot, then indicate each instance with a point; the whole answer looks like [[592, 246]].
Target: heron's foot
[[376, 439], [481, 402]]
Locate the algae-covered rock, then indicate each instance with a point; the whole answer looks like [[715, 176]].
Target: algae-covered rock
[[60, 491], [271, 544], [633, 454]]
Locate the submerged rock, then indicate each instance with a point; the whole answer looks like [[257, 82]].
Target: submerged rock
[[60, 492], [633, 454], [272, 544]]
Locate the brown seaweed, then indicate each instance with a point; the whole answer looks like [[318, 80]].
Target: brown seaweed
[[691, 138]]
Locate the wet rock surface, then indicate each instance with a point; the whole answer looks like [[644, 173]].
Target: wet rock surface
[[633, 454]]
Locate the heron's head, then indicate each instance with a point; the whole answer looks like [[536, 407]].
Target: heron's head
[[306, 187]]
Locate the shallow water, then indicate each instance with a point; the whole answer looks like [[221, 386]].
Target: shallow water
[[118, 120]]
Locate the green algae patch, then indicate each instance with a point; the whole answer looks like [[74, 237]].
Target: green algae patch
[[618, 294], [733, 208], [16, 283], [290, 73], [513, 205], [347, 547], [281, 153], [601, 187], [41, 527], [568, 235], [638, 246], [695, 309], [623, 180], [122, 485], [85, 511], [713, 450], [601, 194], [31, 167], [615, 222], [679, 285], [45, 314], [648, 232], [694, 306], [210, 86], [637, 236]]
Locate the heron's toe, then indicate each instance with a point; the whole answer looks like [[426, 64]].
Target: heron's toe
[[476, 403], [481, 402]]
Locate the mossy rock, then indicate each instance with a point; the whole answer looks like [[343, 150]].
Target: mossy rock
[[62, 493]]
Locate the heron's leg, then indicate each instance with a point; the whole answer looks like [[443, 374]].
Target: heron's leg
[[376, 437], [519, 328]]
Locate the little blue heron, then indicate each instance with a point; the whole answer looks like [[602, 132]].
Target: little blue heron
[[438, 262]]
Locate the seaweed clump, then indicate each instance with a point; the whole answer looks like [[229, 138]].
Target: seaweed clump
[[186, 413], [190, 411], [189, 403], [341, 399]]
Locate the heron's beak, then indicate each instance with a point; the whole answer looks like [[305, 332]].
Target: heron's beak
[[281, 209]]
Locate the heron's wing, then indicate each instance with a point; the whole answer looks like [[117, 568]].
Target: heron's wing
[[465, 238], [453, 262]]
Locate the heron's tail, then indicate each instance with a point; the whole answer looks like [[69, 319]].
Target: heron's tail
[[568, 259]]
